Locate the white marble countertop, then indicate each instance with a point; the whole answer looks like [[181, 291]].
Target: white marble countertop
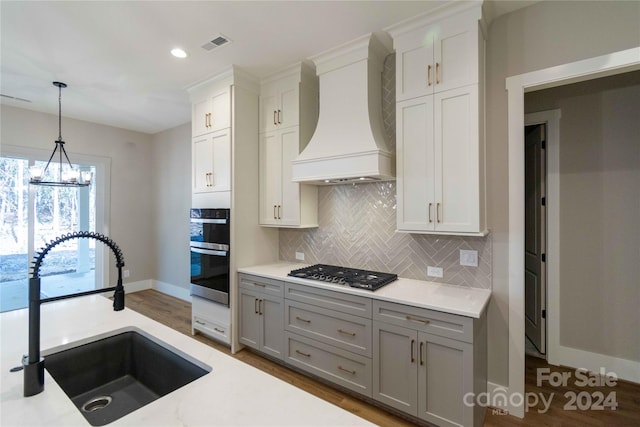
[[232, 394], [470, 302]]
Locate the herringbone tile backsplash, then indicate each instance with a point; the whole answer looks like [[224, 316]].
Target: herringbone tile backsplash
[[357, 224], [357, 229]]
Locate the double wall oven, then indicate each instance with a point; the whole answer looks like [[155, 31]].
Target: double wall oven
[[210, 234]]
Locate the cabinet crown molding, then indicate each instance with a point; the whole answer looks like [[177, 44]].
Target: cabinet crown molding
[[463, 9]]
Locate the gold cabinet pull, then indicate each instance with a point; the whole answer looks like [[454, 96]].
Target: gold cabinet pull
[[429, 75], [279, 113], [262, 285], [417, 319], [206, 120], [303, 320], [349, 371], [430, 206], [274, 117], [413, 342], [219, 330], [421, 361], [351, 334], [303, 354], [437, 73]]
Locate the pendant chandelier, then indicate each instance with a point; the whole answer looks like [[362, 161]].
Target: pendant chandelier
[[68, 176]]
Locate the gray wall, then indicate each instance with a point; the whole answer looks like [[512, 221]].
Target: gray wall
[[540, 36], [171, 159], [599, 212], [130, 202]]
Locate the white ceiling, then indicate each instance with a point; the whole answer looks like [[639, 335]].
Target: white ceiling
[[115, 58]]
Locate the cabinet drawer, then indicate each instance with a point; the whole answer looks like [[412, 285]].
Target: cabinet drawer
[[345, 303], [214, 312], [262, 284], [341, 367], [342, 330], [421, 319], [214, 330]]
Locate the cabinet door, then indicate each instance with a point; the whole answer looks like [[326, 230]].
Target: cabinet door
[[221, 178], [456, 55], [395, 368], [202, 164], [415, 69], [220, 105], [249, 330], [268, 107], [414, 164], [200, 117], [288, 109], [271, 310], [270, 178], [457, 186], [445, 376], [289, 213]]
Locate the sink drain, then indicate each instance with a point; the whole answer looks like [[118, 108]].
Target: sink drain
[[97, 403]]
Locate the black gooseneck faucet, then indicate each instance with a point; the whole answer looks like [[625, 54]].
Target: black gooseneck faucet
[[32, 363]]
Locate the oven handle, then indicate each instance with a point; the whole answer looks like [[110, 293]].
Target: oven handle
[[208, 252], [209, 221], [212, 246]]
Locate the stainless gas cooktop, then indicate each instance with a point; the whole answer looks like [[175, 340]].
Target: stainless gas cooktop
[[362, 279]]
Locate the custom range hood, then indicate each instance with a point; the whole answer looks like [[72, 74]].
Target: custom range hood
[[349, 143]]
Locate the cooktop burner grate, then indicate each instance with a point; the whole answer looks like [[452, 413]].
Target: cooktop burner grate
[[363, 279]]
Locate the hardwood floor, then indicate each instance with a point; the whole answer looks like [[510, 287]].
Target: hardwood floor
[[176, 314]]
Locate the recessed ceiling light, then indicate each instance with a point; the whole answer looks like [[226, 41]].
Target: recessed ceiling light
[[178, 53]]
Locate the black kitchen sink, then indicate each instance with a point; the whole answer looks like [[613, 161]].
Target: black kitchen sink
[[112, 377]]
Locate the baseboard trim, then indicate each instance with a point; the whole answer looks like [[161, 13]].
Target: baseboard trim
[[172, 290], [140, 285], [498, 398], [624, 369]]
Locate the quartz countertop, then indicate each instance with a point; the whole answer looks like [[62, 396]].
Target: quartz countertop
[[232, 394], [470, 302]]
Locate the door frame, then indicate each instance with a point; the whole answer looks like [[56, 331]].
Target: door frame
[[551, 118], [103, 190], [601, 66]]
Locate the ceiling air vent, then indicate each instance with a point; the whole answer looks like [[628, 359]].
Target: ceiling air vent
[[218, 41]]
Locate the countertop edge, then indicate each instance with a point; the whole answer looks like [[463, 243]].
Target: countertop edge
[[278, 271]]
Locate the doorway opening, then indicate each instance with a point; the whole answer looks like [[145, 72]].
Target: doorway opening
[[614, 63]]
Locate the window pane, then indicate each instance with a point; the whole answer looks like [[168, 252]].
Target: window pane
[[14, 247], [70, 266]]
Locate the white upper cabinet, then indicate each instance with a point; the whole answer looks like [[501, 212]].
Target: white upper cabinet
[[288, 116], [211, 109], [436, 56], [211, 157], [279, 104], [440, 126]]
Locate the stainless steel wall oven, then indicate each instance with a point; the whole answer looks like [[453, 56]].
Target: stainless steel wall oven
[[210, 254]]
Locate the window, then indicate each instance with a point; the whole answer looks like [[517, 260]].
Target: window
[[32, 216]]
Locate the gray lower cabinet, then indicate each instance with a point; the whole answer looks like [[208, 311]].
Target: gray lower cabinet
[[261, 316], [419, 361], [419, 369]]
